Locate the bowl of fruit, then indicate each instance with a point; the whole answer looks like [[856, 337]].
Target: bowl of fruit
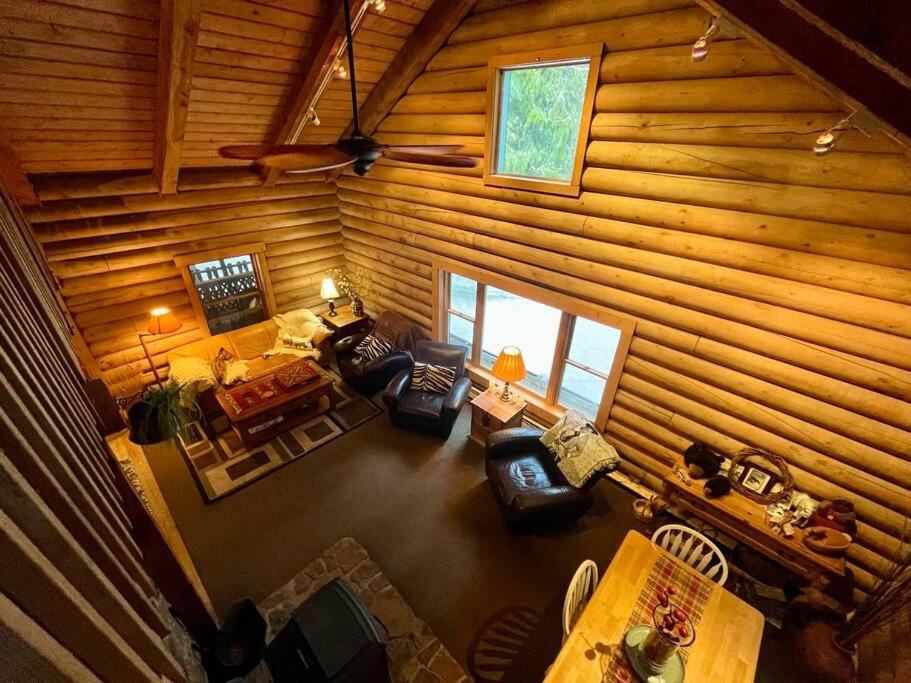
[[654, 649]]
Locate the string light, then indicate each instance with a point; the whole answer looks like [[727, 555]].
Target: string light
[[701, 46], [341, 71], [827, 140], [379, 5], [313, 116]]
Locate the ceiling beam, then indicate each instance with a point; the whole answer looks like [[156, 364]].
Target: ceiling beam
[[177, 35], [321, 59], [14, 179], [825, 58], [429, 36]]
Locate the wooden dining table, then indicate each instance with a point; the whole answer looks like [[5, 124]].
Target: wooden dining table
[[728, 632]]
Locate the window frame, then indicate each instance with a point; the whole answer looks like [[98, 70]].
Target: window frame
[[544, 407], [495, 67], [257, 253]]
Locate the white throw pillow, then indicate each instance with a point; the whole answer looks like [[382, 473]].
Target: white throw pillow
[[192, 372], [298, 323], [235, 372]]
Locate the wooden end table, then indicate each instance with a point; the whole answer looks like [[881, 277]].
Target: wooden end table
[[275, 414], [345, 322], [490, 414], [744, 519]]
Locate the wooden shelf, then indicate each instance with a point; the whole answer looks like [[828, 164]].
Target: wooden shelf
[[744, 519]]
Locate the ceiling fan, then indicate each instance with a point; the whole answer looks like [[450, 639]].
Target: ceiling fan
[[358, 150]]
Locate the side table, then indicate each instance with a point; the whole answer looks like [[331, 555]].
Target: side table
[[490, 414], [345, 322]]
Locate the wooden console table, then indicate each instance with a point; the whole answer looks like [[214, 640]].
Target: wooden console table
[[744, 520]]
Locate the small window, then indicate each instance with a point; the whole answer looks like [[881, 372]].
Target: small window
[[539, 109], [229, 292], [228, 288]]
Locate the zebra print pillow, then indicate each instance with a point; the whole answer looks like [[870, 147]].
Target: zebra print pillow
[[372, 348], [436, 378]]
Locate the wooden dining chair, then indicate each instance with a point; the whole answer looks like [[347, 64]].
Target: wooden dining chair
[[693, 548], [580, 591]]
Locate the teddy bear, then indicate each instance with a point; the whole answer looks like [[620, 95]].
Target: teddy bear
[[702, 460]]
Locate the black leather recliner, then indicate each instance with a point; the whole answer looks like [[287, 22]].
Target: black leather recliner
[[426, 410], [367, 377], [527, 483]]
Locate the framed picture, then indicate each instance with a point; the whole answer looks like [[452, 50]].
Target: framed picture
[[757, 479]]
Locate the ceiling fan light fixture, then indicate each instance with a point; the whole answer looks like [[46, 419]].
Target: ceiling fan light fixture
[[357, 151]]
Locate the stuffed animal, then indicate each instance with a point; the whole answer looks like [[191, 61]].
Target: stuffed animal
[[717, 486], [701, 460]]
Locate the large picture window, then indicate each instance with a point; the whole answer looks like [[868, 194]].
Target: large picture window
[[573, 352], [539, 106]]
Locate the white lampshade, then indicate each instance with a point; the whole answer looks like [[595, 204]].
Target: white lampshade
[[328, 290]]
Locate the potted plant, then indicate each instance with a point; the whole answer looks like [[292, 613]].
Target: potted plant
[[833, 650], [160, 414], [353, 283]]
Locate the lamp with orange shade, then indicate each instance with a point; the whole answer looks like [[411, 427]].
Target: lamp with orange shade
[[509, 367], [161, 321]]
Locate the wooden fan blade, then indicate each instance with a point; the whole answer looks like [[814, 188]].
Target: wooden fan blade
[[253, 152], [425, 149], [431, 159], [321, 158], [295, 162]]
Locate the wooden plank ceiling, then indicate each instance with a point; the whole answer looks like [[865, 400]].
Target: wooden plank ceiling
[[78, 77]]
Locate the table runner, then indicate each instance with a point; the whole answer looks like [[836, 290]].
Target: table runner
[[693, 592]]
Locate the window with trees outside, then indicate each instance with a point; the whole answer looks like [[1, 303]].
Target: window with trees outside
[[539, 107], [572, 361]]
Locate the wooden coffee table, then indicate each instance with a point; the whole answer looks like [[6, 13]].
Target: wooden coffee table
[[261, 409]]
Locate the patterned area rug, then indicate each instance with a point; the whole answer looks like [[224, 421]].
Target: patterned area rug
[[414, 653], [222, 465]]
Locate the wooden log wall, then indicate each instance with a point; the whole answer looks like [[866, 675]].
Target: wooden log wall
[[111, 244], [76, 603], [771, 287]]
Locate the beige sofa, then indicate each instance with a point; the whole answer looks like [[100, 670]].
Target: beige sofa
[[247, 343]]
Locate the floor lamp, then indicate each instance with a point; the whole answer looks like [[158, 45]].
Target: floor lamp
[[161, 321]]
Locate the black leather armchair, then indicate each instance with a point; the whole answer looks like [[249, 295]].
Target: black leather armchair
[[368, 377], [425, 410], [527, 483]]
